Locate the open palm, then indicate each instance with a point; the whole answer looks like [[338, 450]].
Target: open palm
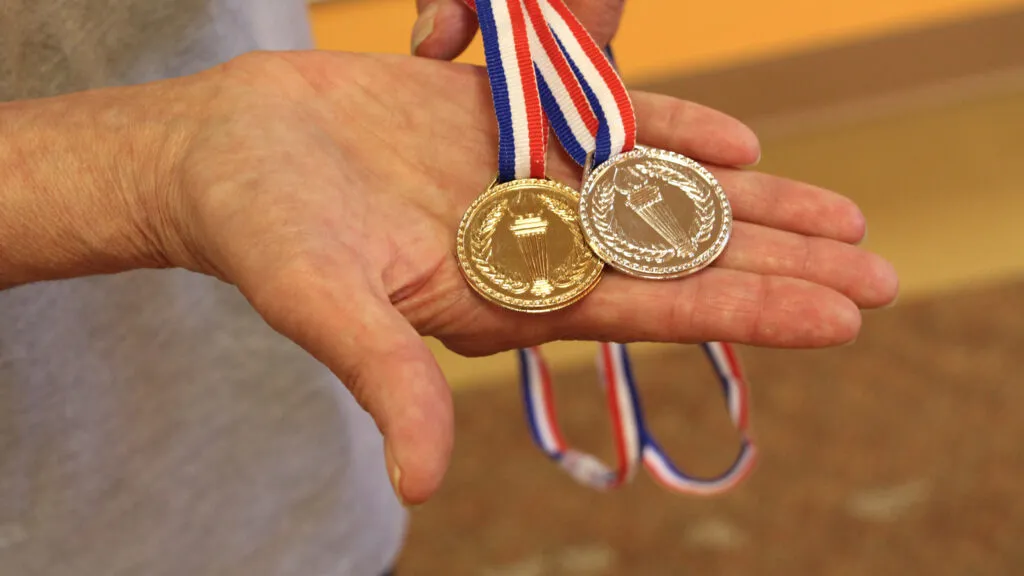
[[328, 188]]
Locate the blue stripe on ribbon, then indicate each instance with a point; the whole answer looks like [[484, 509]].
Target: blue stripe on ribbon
[[524, 378], [634, 397], [604, 138], [649, 443], [499, 92], [741, 459], [723, 378], [558, 121]]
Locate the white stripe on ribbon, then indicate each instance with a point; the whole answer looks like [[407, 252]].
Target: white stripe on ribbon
[[624, 391], [591, 75], [654, 457], [736, 395], [539, 405], [570, 112], [582, 467], [514, 80], [663, 472]]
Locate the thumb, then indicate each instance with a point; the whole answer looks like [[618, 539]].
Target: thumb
[[600, 17], [356, 332], [443, 30]]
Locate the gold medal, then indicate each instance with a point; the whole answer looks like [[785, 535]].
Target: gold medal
[[654, 214], [520, 246]]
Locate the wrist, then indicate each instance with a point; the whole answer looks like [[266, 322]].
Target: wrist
[[83, 182]]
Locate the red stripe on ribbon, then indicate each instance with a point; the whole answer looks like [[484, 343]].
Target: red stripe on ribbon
[[561, 65], [741, 383], [549, 400], [611, 377], [609, 75], [534, 110]]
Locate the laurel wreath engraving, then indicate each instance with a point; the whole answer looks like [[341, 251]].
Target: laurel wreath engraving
[[575, 266], [703, 200], [481, 246], [566, 275], [611, 232]]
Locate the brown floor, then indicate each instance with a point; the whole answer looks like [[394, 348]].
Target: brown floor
[[899, 455]]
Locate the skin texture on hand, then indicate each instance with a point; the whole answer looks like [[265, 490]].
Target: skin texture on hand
[[74, 171], [328, 188]]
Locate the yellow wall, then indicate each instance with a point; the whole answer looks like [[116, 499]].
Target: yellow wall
[[662, 37]]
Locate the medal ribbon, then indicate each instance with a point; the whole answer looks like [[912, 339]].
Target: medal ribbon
[[735, 390], [568, 62], [554, 25], [522, 126], [589, 108], [522, 141], [584, 468], [585, 100]]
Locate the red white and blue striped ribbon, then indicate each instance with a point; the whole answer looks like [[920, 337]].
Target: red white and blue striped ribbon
[[590, 111], [565, 101], [585, 100], [634, 441], [736, 393], [606, 110], [522, 125], [538, 398], [610, 106], [523, 131]]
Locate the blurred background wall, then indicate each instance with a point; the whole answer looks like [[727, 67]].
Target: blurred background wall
[[897, 455]]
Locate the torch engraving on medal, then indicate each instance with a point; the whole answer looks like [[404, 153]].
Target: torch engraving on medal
[[654, 214], [543, 267], [482, 250], [530, 231], [648, 203], [520, 246], [644, 186], [703, 200]]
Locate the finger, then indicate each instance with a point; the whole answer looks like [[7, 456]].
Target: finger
[[865, 278], [693, 130], [600, 17], [343, 323], [443, 30], [789, 205], [716, 305]]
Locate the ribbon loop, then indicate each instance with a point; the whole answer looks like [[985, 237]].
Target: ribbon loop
[[607, 110], [545, 67], [655, 459], [547, 435]]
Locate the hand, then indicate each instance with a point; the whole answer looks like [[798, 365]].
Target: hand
[[446, 27], [329, 187]]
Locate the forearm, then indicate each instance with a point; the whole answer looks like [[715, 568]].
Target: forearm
[[77, 177]]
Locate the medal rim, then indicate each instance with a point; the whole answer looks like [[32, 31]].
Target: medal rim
[[480, 286], [624, 265]]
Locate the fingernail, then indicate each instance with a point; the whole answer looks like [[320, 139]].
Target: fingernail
[[395, 473], [424, 26], [755, 162]]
